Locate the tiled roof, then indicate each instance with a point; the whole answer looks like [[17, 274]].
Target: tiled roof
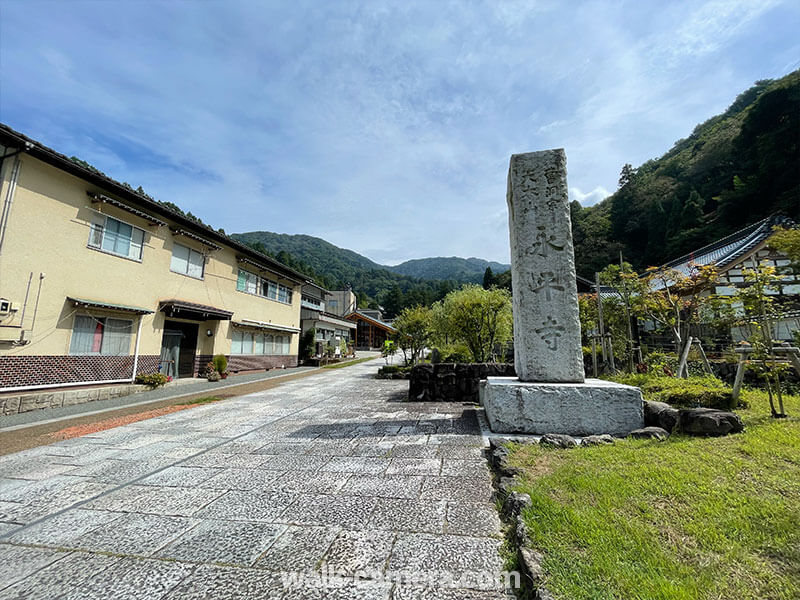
[[729, 249]]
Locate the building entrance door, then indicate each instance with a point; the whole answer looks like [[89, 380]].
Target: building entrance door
[[178, 347]]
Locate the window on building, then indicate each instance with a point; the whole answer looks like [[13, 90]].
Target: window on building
[[104, 336], [246, 342], [187, 261], [251, 283], [115, 237]]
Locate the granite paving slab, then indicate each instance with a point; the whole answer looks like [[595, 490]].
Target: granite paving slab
[[58, 579], [327, 487], [226, 583], [298, 549], [231, 543], [364, 551]]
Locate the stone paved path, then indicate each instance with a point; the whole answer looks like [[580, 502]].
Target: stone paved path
[[270, 495]]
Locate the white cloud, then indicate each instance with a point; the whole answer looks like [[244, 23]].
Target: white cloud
[[589, 198], [385, 128]]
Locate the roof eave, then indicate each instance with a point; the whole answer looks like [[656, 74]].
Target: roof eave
[[60, 161]]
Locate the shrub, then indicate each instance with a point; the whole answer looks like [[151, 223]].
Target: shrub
[[696, 391], [452, 353], [213, 376], [153, 380], [220, 363], [661, 363]]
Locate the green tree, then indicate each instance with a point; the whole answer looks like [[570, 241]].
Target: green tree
[[393, 301], [757, 298], [479, 318], [676, 301], [414, 326], [625, 176], [488, 278], [787, 240]]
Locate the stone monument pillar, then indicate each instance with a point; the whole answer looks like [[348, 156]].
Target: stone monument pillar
[[550, 394], [547, 328]]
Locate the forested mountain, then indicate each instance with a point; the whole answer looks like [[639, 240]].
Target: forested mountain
[[336, 268], [459, 269], [732, 170]]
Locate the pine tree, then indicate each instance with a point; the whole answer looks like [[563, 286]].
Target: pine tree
[[488, 278]]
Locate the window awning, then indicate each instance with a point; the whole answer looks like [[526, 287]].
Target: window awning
[[196, 238], [263, 325], [262, 267], [106, 200], [336, 321], [189, 310], [108, 306]]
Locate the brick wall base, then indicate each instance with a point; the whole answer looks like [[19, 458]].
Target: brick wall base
[[258, 362], [20, 371]]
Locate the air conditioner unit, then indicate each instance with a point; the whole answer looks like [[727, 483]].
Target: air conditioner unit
[[6, 307]]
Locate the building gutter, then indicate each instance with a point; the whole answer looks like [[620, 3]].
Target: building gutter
[[136, 350], [12, 187]]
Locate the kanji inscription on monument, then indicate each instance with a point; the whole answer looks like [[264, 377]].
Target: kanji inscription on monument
[[547, 331]]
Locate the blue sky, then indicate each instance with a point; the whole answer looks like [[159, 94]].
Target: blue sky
[[383, 127]]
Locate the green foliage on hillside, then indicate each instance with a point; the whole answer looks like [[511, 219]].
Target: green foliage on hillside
[[733, 170], [467, 270], [338, 268]]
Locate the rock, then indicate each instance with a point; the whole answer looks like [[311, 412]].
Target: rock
[[649, 433], [597, 440], [497, 442], [590, 408], [531, 563], [660, 414], [547, 329], [505, 485], [709, 421], [515, 503], [558, 440]]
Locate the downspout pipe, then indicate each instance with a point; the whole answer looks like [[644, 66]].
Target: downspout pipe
[[136, 349]]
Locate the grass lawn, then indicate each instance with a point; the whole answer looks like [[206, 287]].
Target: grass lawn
[[688, 518], [349, 363]]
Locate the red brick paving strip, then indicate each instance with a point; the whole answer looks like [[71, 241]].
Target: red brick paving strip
[[86, 429]]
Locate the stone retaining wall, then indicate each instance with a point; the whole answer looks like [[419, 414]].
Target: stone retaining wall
[[452, 382], [25, 402]]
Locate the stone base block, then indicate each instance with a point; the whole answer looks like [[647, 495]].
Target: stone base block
[[593, 407]]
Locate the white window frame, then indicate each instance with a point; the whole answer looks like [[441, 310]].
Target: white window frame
[[98, 232], [188, 262], [272, 344], [263, 287], [103, 351]]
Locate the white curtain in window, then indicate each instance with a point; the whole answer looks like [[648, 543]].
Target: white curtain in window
[[236, 346], [286, 340], [259, 345], [82, 335], [180, 258], [96, 232], [136, 243], [116, 337], [196, 264]]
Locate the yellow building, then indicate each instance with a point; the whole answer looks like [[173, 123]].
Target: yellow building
[[99, 282]]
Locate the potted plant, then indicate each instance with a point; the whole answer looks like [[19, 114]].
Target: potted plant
[[211, 372], [220, 362]]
